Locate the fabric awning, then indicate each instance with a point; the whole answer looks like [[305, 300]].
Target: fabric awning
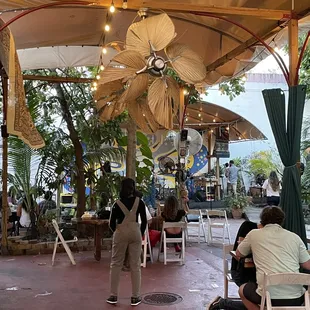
[[227, 50]]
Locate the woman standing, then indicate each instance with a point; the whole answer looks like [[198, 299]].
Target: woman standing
[[127, 236], [271, 187]]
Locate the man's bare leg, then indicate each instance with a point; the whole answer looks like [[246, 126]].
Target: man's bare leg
[[248, 304]]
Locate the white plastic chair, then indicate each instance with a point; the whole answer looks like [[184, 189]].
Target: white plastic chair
[[282, 279], [196, 224], [212, 224], [146, 244], [227, 273], [164, 240], [63, 242]]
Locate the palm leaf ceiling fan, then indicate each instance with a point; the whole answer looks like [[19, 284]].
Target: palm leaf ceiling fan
[[143, 67]]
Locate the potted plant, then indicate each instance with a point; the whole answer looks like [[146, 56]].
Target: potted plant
[[236, 205]]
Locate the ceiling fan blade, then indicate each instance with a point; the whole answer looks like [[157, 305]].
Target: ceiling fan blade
[[188, 65], [107, 89], [161, 101], [142, 115], [130, 62], [109, 109], [159, 30], [136, 88]]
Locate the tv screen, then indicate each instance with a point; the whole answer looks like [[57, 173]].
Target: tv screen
[[67, 199]]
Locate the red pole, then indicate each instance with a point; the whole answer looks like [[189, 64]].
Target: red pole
[[301, 57]]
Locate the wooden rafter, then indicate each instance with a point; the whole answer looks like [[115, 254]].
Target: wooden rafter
[[56, 79]]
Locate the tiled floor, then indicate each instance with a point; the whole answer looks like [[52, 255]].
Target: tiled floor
[[86, 285]]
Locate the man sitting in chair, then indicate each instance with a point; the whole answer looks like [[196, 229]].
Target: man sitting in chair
[[275, 250]]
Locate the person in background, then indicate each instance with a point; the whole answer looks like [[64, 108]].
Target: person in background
[[233, 176], [226, 173], [127, 234], [271, 187], [275, 250], [11, 196], [172, 213], [23, 213], [9, 224], [238, 273], [47, 203]]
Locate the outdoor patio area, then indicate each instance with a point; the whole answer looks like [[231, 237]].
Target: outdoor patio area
[[86, 285]]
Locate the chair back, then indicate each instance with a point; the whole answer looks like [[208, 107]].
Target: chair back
[[181, 225], [218, 213], [195, 212], [227, 248]]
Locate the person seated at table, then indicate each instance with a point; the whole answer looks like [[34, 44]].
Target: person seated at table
[[171, 213], [47, 203], [239, 273], [11, 196], [25, 209], [271, 189], [275, 250]]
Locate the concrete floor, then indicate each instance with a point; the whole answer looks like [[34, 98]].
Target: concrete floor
[[86, 285]]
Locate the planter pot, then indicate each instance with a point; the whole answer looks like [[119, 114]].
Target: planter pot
[[237, 213]]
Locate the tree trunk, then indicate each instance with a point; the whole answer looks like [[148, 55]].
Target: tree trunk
[[131, 153], [80, 178]]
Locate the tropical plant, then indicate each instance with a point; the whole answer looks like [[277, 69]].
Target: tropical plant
[[239, 202]]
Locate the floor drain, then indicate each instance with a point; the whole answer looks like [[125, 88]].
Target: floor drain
[[161, 299]]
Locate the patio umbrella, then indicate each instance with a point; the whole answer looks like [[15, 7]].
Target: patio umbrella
[[287, 134]]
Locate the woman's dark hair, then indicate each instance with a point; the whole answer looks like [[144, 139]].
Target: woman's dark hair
[[244, 229], [274, 181], [24, 203], [171, 208], [48, 195], [272, 215], [128, 188]]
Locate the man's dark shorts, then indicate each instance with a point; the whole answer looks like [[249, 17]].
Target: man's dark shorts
[[249, 292]]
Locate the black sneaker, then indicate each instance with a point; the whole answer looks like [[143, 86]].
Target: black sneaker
[[135, 301], [214, 304], [112, 300]]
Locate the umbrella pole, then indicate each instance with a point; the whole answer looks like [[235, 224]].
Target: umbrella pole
[[131, 150], [4, 240]]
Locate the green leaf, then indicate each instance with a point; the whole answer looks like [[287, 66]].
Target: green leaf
[[123, 141], [146, 152], [148, 162], [142, 139]]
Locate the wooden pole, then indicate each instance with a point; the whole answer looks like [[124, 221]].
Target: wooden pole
[[293, 49], [4, 240], [131, 150], [218, 194], [209, 150]]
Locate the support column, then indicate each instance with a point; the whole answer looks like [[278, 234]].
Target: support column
[[131, 150], [218, 188], [293, 49], [209, 149], [4, 240]]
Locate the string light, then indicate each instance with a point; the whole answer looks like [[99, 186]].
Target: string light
[[244, 78], [101, 67], [211, 130], [199, 124], [143, 114], [186, 119], [125, 4], [112, 7], [95, 84], [199, 115], [107, 28], [214, 120], [98, 77], [239, 138], [92, 89], [185, 92], [227, 128], [104, 50]]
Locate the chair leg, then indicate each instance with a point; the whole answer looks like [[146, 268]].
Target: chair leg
[[160, 244], [225, 288], [144, 254], [65, 245], [165, 249], [199, 233], [228, 232], [183, 248], [150, 248], [204, 231], [54, 251], [224, 234]]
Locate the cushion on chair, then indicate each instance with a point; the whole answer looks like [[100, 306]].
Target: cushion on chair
[[192, 218]]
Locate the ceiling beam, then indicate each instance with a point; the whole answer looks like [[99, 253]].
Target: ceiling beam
[[56, 79], [185, 6]]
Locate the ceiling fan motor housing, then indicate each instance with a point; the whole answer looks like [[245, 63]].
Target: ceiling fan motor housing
[[156, 65]]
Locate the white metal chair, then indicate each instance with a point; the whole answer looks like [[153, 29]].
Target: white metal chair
[[146, 245], [285, 279], [222, 224], [227, 274], [63, 242], [164, 240], [197, 222]]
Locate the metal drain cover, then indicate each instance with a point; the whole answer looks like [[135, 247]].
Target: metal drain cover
[[161, 299]]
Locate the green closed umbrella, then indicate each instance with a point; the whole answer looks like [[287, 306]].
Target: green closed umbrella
[[287, 133]]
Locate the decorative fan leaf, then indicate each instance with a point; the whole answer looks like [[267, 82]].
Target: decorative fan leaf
[[163, 99], [159, 30], [142, 116], [107, 89], [130, 59], [188, 65], [112, 74], [109, 109], [136, 88]]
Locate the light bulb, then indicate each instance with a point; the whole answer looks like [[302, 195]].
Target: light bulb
[[95, 84], [199, 124], [112, 8], [92, 89], [227, 128], [104, 50], [211, 130], [214, 120], [101, 67], [107, 27], [125, 6], [143, 114], [185, 92], [98, 77], [244, 78], [199, 114], [186, 119], [276, 49]]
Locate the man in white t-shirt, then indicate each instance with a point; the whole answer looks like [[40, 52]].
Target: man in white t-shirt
[[275, 250]]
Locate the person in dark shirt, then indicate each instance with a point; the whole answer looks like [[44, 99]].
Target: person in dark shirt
[[172, 213], [239, 274], [127, 234]]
